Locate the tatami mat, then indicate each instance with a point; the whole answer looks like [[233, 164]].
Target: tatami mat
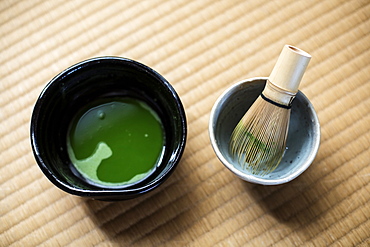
[[201, 47]]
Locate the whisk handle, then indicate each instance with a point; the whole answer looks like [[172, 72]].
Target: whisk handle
[[289, 68]]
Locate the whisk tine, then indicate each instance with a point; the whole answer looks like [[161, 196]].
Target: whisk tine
[[254, 149], [258, 142]]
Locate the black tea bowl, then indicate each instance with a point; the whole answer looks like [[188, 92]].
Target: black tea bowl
[[89, 80]]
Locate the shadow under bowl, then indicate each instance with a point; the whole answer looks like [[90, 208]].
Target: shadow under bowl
[[87, 81], [303, 136]]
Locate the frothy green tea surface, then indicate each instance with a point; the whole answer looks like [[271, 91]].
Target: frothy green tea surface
[[115, 142]]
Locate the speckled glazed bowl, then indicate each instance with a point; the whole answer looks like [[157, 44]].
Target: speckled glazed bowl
[[80, 84], [303, 136]]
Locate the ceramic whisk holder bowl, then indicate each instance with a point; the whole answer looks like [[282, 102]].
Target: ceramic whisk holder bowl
[[80, 84], [303, 136]]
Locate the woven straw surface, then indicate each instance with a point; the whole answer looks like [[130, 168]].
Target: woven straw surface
[[201, 47]]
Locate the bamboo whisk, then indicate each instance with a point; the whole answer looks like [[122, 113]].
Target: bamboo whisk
[[258, 141]]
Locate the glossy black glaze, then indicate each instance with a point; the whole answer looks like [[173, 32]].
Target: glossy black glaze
[[65, 94]]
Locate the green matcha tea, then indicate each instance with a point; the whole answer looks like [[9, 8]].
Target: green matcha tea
[[116, 142]]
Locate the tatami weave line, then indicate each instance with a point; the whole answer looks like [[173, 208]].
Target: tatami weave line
[[208, 27], [202, 48], [340, 201], [238, 43], [322, 178], [248, 222], [15, 34], [338, 205], [168, 37], [352, 129], [349, 39], [201, 102], [13, 11], [344, 115], [156, 228], [166, 198], [52, 47], [352, 95], [344, 83], [148, 215], [25, 90], [178, 198], [267, 232], [348, 219], [186, 93], [60, 222], [365, 226], [58, 21]]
